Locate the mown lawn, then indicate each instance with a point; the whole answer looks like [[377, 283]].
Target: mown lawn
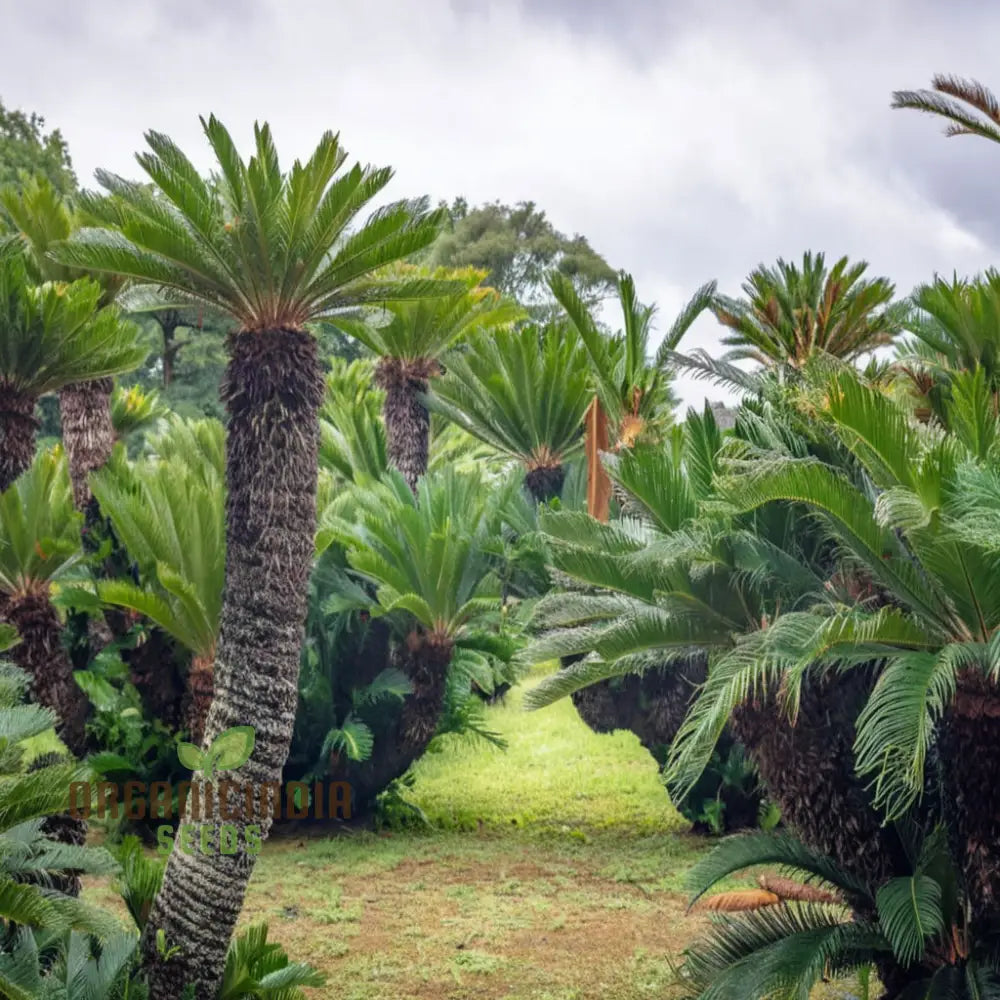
[[551, 871]]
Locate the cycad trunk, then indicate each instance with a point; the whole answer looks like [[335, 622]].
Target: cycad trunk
[[403, 739], [407, 422], [809, 772], [87, 433], [41, 655], [545, 482], [272, 388], [969, 747], [18, 427], [198, 697]]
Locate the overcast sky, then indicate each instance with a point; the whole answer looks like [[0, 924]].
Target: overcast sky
[[688, 139]]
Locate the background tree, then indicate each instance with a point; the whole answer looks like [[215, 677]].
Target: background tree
[[274, 251], [518, 246], [27, 149], [409, 340]]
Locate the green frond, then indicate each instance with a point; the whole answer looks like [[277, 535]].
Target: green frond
[[53, 334], [523, 392], [39, 526], [909, 913], [169, 514], [272, 248]]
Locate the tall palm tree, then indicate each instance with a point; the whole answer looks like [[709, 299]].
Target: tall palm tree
[[44, 217], [788, 313], [169, 514], [969, 107], [633, 390], [523, 392], [39, 543], [274, 250], [51, 336], [409, 343]]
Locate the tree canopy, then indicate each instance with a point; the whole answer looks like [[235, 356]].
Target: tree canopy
[[25, 147]]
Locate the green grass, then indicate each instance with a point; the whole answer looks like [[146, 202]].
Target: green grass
[[551, 871], [554, 775]]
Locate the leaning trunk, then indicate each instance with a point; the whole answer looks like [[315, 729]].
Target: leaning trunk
[[407, 422], [545, 482], [272, 388], [18, 427], [42, 656], [88, 436]]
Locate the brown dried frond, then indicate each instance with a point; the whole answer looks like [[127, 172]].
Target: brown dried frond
[[971, 92], [740, 899], [787, 889]]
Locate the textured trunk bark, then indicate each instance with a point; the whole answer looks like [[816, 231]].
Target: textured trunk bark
[[41, 655], [407, 422], [809, 772], [545, 482], [18, 427], [403, 739], [88, 437], [969, 747], [272, 388]]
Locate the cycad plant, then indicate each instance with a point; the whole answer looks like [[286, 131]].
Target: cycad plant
[[807, 919], [419, 568], [169, 515], [44, 217], [524, 392], [633, 388], [913, 511], [409, 339], [39, 545], [647, 601], [790, 313], [273, 250], [134, 410], [51, 336], [31, 863], [955, 327]]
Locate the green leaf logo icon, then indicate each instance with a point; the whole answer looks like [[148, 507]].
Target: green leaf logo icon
[[190, 756], [229, 750]]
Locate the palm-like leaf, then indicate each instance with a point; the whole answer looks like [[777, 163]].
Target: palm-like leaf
[[170, 516], [273, 249], [53, 334], [39, 527], [790, 313], [421, 331], [968, 106], [634, 391], [524, 392]]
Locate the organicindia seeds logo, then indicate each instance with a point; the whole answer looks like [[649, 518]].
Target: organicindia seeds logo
[[216, 815]]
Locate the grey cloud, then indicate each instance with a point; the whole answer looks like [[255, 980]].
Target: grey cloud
[[687, 140]]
